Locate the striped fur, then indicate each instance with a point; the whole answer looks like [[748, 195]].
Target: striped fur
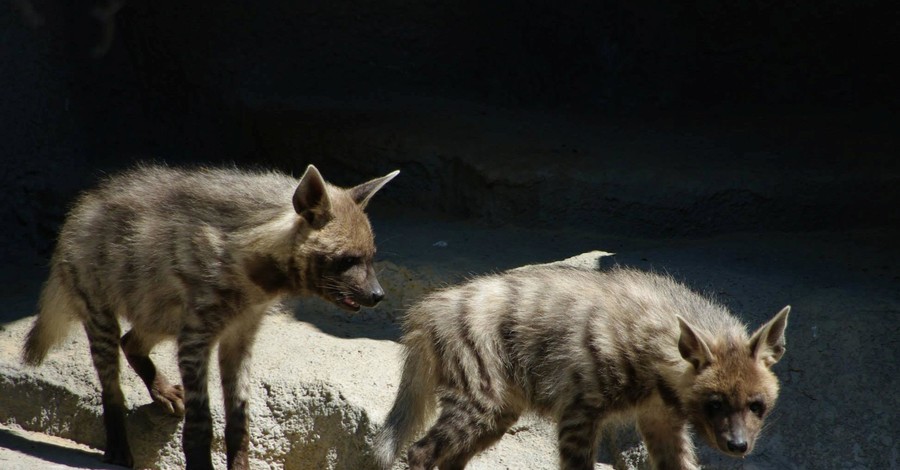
[[579, 346], [199, 256]]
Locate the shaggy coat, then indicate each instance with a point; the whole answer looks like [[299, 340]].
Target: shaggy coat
[[199, 256], [579, 346]]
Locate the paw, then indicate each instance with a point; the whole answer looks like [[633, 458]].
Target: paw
[[171, 398]]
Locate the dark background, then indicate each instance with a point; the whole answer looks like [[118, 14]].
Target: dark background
[[749, 148], [641, 117]]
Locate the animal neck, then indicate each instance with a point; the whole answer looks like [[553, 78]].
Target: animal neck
[[275, 236]]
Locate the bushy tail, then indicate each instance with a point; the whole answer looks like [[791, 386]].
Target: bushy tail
[[415, 403], [56, 311]]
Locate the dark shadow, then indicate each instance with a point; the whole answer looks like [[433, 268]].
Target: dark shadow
[[158, 428], [20, 287], [53, 453], [437, 252], [332, 321]]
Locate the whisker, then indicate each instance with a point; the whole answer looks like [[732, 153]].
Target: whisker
[[387, 239]]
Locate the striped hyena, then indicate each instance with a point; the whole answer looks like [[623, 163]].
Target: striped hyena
[[579, 346], [199, 255]]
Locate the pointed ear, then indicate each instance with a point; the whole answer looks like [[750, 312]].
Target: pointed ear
[[311, 196], [692, 346], [362, 193], [767, 344]]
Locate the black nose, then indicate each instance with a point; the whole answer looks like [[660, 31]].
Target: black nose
[[737, 446], [377, 295]]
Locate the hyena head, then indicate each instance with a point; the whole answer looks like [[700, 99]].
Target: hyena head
[[334, 256], [733, 388]]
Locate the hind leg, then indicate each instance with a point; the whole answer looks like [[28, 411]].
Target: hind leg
[[103, 331], [137, 352], [464, 428]]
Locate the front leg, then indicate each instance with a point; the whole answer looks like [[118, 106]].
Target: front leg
[[234, 365], [578, 431], [194, 345], [667, 439]]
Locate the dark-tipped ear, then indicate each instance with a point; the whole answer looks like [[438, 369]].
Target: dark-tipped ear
[[767, 344], [311, 196], [362, 193], [692, 346]]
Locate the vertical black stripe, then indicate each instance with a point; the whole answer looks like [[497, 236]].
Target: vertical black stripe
[[463, 313], [310, 272], [454, 376], [508, 326], [668, 395]]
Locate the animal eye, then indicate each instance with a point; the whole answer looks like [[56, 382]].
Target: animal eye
[[346, 262], [758, 408], [713, 405]]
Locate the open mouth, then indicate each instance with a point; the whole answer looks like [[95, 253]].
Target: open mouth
[[347, 303]]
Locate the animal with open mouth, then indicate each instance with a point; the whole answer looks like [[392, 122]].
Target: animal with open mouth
[[199, 255]]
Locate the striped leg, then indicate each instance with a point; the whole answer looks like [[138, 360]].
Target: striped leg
[[578, 432], [137, 351], [483, 440], [234, 364], [103, 332], [194, 346], [667, 439], [464, 428]]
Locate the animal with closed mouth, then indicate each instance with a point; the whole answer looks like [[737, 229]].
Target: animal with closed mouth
[[580, 347]]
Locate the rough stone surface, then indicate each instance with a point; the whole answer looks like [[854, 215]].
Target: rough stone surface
[[712, 142], [323, 380], [317, 398]]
